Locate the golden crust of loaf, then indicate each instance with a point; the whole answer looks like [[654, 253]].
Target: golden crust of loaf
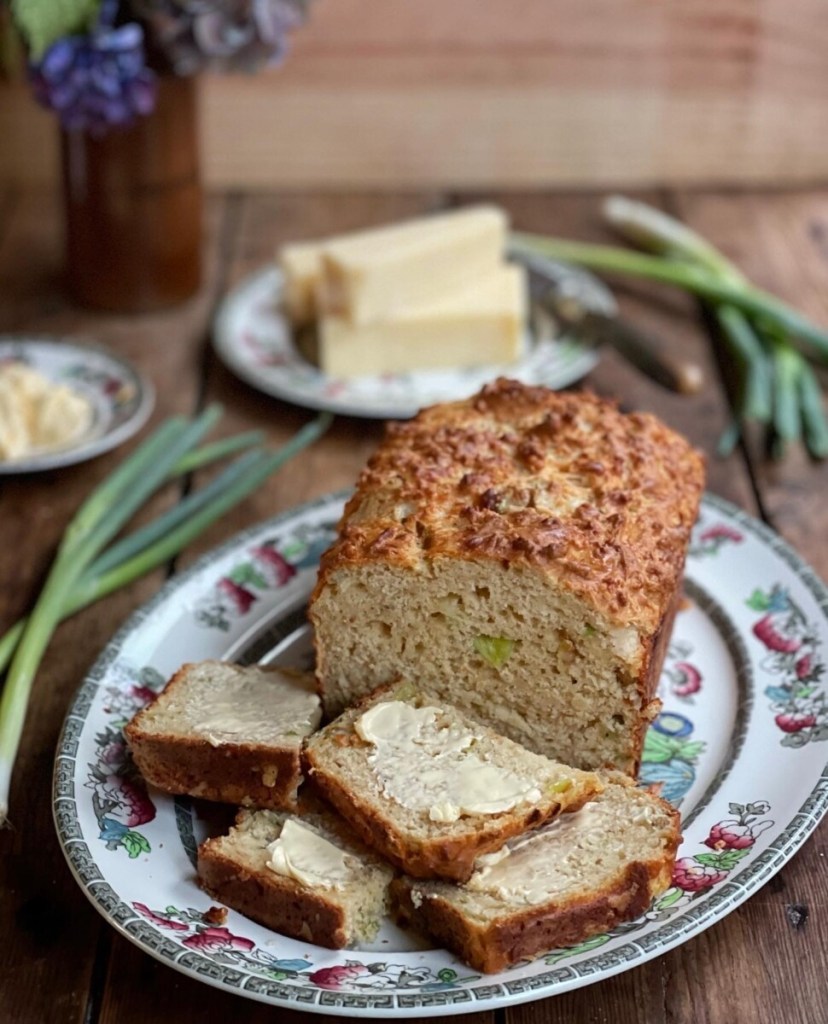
[[600, 500], [245, 775], [273, 902]]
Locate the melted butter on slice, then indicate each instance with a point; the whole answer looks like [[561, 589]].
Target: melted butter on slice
[[535, 867], [427, 764], [257, 706], [309, 858]]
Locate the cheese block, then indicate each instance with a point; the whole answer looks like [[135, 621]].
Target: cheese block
[[479, 325], [301, 265], [375, 275]]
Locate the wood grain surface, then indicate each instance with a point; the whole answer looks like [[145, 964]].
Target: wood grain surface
[[61, 962], [527, 94]]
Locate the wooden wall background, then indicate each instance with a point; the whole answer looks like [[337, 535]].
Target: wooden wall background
[[516, 93]]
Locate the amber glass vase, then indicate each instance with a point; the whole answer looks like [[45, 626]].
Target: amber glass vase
[[133, 203]]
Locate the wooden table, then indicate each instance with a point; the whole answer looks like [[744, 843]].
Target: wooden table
[[60, 961]]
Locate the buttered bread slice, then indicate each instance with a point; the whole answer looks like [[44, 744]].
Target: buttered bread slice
[[581, 875], [431, 789], [227, 733], [305, 876]]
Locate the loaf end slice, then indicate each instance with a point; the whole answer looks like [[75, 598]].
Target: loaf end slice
[[338, 901], [581, 875], [227, 733], [430, 788]]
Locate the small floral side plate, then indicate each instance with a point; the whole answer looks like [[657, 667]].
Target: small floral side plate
[[121, 398], [253, 338], [740, 747]]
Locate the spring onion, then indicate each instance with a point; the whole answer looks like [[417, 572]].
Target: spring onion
[[786, 420], [814, 425], [755, 400], [691, 278], [85, 570]]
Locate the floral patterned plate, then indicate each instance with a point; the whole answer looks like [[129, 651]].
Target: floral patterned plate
[[740, 747], [253, 338], [121, 398]]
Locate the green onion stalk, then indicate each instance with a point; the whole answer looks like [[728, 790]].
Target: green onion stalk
[[767, 338], [87, 568]]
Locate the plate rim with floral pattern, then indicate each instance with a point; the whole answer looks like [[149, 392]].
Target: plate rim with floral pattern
[[122, 398], [754, 597], [253, 339]]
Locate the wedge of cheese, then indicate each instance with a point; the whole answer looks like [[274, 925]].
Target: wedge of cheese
[[377, 275], [478, 325]]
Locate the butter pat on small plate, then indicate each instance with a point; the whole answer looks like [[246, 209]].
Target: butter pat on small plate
[[119, 398]]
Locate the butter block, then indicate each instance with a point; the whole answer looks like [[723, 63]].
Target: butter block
[[301, 265], [378, 274], [479, 325]]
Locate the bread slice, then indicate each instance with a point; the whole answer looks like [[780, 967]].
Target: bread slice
[[580, 875], [344, 892], [430, 788], [520, 554], [227, 733]]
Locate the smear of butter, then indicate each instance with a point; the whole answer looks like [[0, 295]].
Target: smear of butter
[[256, 706], [36, 414], [427, 763], [303, 854], [533, 868]]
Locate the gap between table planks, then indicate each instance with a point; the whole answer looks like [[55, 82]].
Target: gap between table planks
[[53, 935]]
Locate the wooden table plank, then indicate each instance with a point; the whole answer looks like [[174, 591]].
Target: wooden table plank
[[756, 966], [777, 239], [49, 959]]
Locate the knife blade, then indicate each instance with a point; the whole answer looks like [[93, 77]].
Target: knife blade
[[555, 308]]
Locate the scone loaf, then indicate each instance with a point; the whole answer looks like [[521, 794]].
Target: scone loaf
[[430, 788], [227, 733], [580, 875], [520, 555], [305, 876]]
